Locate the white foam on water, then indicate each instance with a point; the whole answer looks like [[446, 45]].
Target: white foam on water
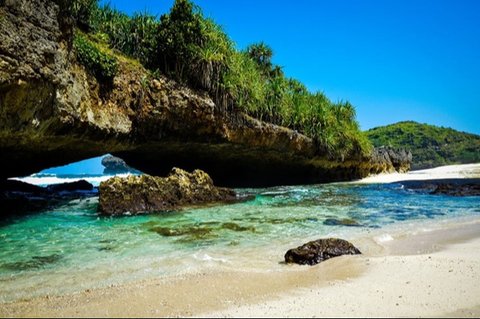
[[206, 257], [383, 238]]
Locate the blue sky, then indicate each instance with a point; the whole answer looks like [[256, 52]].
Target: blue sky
[[88, 166], [394, 60]]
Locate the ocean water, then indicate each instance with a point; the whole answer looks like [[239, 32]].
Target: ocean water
[[44, 179], [71, 248]]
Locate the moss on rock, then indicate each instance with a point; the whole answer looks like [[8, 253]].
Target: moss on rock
[[145, 193]]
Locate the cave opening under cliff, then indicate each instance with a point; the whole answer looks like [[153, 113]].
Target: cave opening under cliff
[[91, 168]]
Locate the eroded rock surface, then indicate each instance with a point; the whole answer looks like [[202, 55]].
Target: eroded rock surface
[[115, 165], [392, 159], [320, 250], [145, 193]]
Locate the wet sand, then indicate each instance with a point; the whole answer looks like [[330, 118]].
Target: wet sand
[[415, 281], [431, 273]]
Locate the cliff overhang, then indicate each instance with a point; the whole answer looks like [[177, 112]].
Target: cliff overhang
[[53, 112]]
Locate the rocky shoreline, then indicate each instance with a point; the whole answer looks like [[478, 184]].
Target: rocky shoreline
[[137, 194], [19, 198]]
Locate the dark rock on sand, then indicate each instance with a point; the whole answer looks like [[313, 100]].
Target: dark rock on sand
[[145, 193], [319, 250]]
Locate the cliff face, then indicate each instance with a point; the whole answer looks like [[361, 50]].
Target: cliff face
[[53, 112], [47, 114]]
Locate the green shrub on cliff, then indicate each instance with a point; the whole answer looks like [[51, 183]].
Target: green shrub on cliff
[[195, 51], [100, 64]]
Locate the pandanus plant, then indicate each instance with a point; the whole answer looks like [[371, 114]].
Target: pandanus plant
[[194, 50]]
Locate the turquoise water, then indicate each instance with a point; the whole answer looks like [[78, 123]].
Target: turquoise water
[[71, 248]]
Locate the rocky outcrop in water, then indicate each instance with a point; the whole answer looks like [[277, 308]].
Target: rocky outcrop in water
[[451, 187], [18, 197], [115, 165], [53, 112], [144, 193], [466, 189], [81, 185], [320, 250]]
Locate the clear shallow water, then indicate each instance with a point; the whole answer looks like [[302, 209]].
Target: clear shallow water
[[70, 248]]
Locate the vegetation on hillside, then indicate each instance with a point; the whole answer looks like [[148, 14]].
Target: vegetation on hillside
[[430, 145], [192, 49], [102, 65]]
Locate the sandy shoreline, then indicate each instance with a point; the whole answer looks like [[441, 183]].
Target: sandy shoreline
[[431, 273], [441, 283], [444, 172], [430, 270]]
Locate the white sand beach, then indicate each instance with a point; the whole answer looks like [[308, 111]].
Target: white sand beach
[[441, 283], [443, 172]]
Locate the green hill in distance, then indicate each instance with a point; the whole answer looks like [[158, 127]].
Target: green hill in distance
[[431, 146]]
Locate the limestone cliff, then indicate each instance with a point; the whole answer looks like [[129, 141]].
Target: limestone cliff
[[53, 112]]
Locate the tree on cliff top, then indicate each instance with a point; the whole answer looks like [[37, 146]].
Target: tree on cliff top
[[195, 51], [180, 38]]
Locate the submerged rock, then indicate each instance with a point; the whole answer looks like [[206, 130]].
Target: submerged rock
[[145, 193], [319, 250], [36, 262], [192, 231], [341, 222], [238, 228]]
